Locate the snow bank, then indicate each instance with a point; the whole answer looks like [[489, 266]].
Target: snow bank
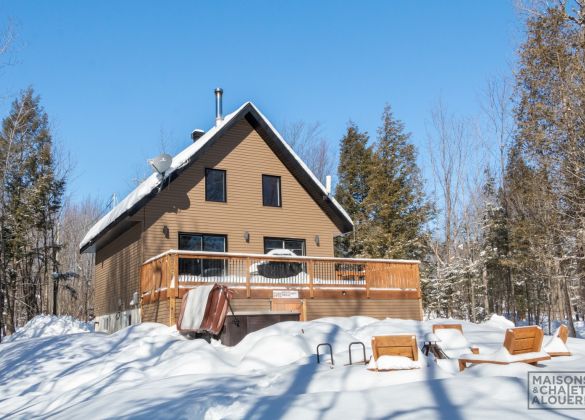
[[555, 345], [48, 326], [393, 363], [151, 371], [499, 321]]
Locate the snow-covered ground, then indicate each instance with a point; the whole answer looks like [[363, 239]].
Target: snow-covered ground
[[48, 326], [150, 371]]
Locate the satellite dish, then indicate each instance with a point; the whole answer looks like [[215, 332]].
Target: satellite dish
[[161, 163]]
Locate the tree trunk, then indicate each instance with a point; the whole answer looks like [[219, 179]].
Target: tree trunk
[[473, 316], [512, 297], [486, 300], [55, 294], [569, 310], [9, 320]]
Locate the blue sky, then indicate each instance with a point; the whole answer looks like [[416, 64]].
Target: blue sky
[[116, 76]]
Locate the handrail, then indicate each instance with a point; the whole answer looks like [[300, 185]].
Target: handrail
[[278, 257], [170, 274]]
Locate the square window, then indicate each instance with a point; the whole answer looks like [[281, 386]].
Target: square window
[[215, 185], [271, 193], [202, 242]]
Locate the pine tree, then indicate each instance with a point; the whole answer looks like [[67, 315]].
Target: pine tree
[[30, 198], [551, 139], [494, 246], [396, 206], [352, 188]]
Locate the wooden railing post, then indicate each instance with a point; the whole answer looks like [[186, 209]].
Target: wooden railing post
[[152, 280], [311, 273], [247, 266], [171, 288], [368, 276], [176, 274]]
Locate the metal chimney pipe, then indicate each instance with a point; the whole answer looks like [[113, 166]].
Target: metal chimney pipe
[[218, 111]]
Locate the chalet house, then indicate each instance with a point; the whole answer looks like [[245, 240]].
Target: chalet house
[[236, 194]]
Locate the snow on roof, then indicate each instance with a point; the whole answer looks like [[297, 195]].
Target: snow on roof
[[180, 160]]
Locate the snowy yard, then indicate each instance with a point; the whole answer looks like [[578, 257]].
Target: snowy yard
[[151, 371]]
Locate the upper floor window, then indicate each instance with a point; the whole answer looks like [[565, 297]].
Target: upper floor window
[[215, 185], [271, 193]]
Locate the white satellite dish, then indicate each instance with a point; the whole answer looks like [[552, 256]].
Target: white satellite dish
[[161, 163]]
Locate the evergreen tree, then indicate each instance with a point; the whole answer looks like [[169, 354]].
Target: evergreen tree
[[397, 209], [551, 140], [30, 198], [352, 189], [494, 246]]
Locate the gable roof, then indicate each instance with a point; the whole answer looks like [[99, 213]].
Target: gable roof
[[155, 182]]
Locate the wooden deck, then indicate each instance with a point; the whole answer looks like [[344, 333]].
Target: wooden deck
[[282, 283]]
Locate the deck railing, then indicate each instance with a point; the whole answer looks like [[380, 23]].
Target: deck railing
[[173, 273]]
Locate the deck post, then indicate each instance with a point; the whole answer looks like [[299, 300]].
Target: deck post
[[247, 266], [419, 292], [311, 272], [171, 287], [152, 281], [368, 279]]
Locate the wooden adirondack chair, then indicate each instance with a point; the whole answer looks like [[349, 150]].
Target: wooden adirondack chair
[[521, 344], [395, 345], [562, 334], [458, 327]]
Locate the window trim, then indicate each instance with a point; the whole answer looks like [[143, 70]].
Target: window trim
[[224, 185], [279, 190], [201, 234], [304, 241]]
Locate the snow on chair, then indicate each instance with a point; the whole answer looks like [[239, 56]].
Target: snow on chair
[[557, 345], [521, 345], [453, 341], [394, 352]]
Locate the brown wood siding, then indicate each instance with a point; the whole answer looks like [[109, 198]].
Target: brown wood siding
[[315, 308], [250, 304], [156, 312], [117, 268], [395, 308], [245, 156], [238, 305]]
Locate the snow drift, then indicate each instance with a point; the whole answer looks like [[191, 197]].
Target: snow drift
[[150, 370], [49, 326]]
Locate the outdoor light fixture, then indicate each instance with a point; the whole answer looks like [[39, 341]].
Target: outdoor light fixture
[[317, 240], [247, 236], [166, 231]]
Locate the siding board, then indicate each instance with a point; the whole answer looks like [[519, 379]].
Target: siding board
[[395, 308], [117, 268]]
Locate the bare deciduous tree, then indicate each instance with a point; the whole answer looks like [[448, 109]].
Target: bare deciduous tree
[[308, 142]]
